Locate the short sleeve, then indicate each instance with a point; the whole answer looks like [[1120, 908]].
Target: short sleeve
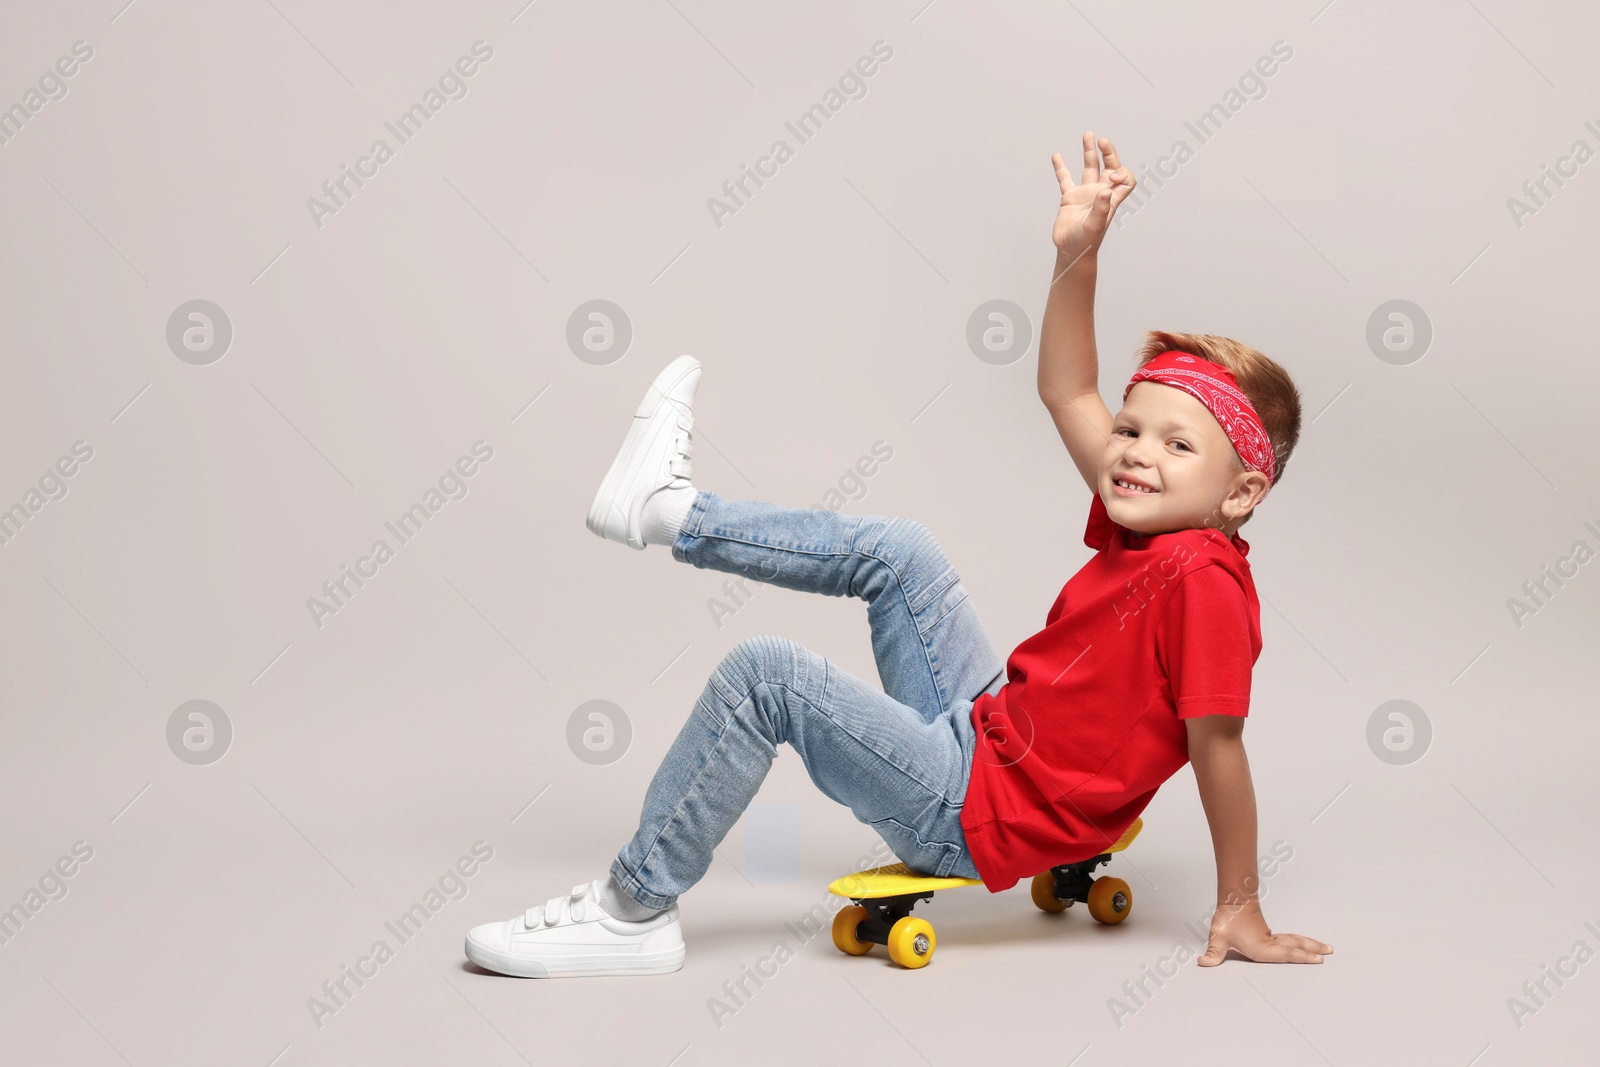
[[1207, 644], [1097, 535]]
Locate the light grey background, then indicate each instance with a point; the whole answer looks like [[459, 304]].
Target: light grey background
[[830, 312]]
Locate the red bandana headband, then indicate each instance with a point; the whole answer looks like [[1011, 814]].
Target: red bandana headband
[[1215, 386]]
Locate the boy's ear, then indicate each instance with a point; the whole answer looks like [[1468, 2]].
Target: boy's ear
[[1249, 490]]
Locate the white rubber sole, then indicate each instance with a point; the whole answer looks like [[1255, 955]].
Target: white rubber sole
[[614, 512], [662, 962]]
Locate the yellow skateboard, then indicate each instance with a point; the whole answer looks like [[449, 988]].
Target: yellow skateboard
[[884, 897]]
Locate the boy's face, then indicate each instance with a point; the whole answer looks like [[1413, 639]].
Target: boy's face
[[1168, 441]]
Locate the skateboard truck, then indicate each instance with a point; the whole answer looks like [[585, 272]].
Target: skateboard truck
[[883, 913], [1073, 882]]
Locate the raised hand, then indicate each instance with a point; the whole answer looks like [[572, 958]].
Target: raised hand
[[1243, 929], [1087, 205]]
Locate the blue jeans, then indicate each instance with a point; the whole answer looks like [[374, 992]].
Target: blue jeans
[[899, 759]]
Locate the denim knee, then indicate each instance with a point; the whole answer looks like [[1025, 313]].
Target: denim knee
[[893, 535], [763, 660], [917, 560]]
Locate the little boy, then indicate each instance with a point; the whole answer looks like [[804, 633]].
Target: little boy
[[966, 766]]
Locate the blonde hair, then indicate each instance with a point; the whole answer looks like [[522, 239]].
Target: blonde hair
[[1270, 389]]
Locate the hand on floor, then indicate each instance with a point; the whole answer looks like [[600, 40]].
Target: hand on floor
[[1243, 929]]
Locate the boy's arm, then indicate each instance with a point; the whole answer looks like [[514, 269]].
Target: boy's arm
[[1216, 750], [1069, 371]]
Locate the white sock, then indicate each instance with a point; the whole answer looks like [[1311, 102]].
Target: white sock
[[615, 902], [664, 513]]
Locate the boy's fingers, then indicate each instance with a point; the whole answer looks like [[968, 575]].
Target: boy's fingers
[[1102, 208], [1310, 944], [1091, 159], [1063, 175], [1293, 948], [1109, 150]]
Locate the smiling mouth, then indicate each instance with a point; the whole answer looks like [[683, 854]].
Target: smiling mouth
[[1131, 487]]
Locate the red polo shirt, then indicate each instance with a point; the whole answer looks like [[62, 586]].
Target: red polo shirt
[[1151, 631]]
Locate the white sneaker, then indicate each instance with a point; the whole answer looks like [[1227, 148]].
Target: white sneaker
[[571, 937], [655, 454]]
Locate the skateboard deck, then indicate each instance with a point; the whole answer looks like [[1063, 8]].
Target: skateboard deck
[[884, 896]]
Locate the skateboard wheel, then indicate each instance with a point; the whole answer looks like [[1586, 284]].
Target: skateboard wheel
[[911, 942], [844, 931], [1044, 893], [1110, 900]]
